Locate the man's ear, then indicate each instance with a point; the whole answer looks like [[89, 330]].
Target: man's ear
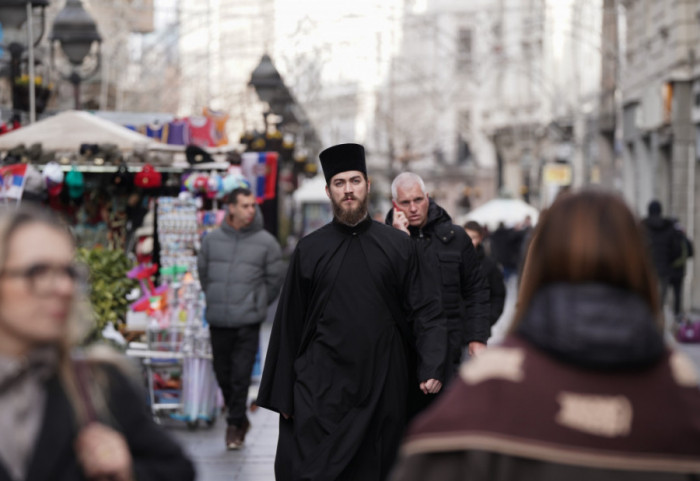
[[328, 192], [369, 185]]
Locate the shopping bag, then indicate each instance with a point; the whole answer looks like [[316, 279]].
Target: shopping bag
[[688, 331]]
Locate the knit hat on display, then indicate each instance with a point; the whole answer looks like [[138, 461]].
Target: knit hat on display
[[76, 183]]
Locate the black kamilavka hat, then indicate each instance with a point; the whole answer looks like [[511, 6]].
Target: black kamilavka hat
[[341, 158]]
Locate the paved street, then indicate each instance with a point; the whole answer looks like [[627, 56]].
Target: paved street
[[255, 461]]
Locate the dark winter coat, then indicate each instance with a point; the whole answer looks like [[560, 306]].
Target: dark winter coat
[[465, 295], [497, 288], [586, 390], [241, 272], [356, 316], [155, 455], [661, 233]]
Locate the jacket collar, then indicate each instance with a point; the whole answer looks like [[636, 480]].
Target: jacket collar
[[358, 228], [593, 325], [439, 223], [254, 226]]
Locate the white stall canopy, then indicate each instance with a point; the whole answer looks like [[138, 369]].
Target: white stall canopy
[[66, 131]]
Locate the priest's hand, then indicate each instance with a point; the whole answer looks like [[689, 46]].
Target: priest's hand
[[286, 416], [431, 386], [400, 221], [476, 348]]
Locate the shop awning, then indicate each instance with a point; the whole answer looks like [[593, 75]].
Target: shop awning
[[66, 131]]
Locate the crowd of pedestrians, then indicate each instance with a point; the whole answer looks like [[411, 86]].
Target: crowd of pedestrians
[[584, 386], [379, 363]]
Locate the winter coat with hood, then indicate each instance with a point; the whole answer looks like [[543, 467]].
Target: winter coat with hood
[[465, 295], [241, 273]]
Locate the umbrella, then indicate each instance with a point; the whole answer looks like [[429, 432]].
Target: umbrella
[[509, 211]]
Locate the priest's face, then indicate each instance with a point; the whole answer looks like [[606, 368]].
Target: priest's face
[[348, 192]]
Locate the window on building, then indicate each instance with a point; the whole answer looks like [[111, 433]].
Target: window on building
[[464, 49], [464, 152]]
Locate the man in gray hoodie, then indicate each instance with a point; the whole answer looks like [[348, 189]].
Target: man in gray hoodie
[[241, 270]]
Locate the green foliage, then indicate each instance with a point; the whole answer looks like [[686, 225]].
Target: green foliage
[[108, 286]]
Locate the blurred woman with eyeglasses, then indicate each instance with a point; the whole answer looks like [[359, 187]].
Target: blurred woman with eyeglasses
[[584, 387], [63, 417]]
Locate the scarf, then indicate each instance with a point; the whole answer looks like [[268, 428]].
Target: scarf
[[22, 403]]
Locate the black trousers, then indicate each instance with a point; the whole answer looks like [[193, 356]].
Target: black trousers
[[234, 350]]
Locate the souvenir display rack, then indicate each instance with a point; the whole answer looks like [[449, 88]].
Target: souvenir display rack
[[177, 355]]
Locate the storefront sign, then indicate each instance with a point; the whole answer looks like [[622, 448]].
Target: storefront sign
[[557, 174]]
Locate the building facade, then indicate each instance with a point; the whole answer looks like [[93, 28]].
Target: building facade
[[661, 113], [494, 93]]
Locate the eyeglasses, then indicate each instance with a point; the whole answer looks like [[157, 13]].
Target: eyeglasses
[[42, 277]]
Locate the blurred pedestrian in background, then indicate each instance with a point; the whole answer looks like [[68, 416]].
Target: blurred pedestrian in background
[[502, 250], [584, 387], [63, 417], [490, 270], [464, 290], [661, 232], [509, 246], [241, 270]]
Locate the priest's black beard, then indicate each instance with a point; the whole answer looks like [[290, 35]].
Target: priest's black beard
[[352, 216]]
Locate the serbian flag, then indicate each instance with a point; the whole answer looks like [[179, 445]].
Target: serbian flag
[[12, 181], [260, 169]]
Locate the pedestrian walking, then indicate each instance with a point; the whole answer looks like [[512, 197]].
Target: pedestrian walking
[[490, 270], [64, 416], [465, 294], [664, 243], [240, 268], [354, 304], [584, 386], [503, 250]]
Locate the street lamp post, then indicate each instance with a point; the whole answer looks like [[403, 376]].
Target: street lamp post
[[14, 13], [267, 81], [271, 89], [75, 32]]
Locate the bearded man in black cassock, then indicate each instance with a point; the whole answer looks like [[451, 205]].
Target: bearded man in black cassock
[[357, 321]]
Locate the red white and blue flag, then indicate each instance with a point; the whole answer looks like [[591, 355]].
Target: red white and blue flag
[[260, 169], [12, 181]]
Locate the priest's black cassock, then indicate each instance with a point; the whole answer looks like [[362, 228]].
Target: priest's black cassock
[[354, 302]]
